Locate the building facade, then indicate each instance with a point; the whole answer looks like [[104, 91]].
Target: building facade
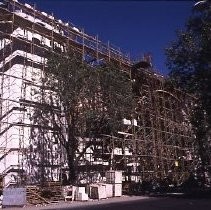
[[156, 143]]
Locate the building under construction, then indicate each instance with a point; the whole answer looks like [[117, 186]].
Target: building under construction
[[157, 143]]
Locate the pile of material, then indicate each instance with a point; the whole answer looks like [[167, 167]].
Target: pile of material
[[112, 187], [53, 192], [115, 178], [33, 196]]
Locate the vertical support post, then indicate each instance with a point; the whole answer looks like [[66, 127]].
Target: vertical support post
[[83, 46], [120, 56], [97, 52], [52, 40], [109, 52]]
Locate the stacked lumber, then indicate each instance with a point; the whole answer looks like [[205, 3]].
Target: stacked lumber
[[55, 190], [33, 196]]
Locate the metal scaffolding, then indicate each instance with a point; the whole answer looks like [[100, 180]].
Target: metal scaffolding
[[156, 143], [160, 137]]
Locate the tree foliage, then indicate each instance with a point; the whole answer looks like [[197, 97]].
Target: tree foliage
[[85, 102], [189, 59]]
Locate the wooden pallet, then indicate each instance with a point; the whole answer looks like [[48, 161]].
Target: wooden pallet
[[33, 196], [55, 190]]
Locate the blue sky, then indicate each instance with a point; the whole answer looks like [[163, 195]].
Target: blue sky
[[137, 27]]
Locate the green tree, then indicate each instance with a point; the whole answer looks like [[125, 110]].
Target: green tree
[[189, 59], [85, 102]]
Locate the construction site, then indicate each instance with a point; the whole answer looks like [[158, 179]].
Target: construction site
[[157, 144]]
